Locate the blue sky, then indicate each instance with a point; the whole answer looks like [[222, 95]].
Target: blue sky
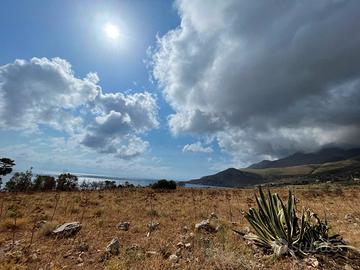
[[186, 89], [72, 30]]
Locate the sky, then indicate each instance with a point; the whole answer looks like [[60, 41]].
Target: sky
[[162, 89]]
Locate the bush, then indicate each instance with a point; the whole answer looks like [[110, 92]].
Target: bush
[[20, 182], [164, 184], [44, 183], [67, 182]]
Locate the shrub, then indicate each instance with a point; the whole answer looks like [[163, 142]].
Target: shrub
[[44, 183], [279, 229], [66, 182], [20, 182], [164, 184]]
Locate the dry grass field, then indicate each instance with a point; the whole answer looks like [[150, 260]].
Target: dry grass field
[[176, 212]]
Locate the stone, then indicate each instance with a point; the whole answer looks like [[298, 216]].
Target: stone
[[173, 258], [151, 253], [188, 245], [124, 226], [113, 247], [205, 225], [312, 261], [180, 244], [178, 252], [67, 229]]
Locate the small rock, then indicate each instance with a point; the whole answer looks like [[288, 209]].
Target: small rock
[[79, 259], [173, 258], [151, 253], [206, 226], [124, 226], [113, 247], [180, 244], [187, 245], [67, 229], [178, 252], [348, 267], [312, 261]]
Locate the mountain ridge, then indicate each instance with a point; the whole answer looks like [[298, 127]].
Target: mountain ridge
[[322, 156]]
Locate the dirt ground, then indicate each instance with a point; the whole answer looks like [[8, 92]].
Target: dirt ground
[[177, 212]]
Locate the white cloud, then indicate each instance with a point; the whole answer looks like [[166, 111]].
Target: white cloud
[[46, 92], [197, 147], [264, 79], [43, 91]]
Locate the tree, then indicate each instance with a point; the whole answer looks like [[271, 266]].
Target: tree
[[109, 184], [44, 183], [6, 165], [20, 182], [164, 184], [67, 182]]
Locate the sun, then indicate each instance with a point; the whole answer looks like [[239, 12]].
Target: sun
[[112, 31]]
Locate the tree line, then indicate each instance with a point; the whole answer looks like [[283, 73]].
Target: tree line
[[27, 182]]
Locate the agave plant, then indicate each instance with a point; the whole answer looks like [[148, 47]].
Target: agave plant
[[277, 228]]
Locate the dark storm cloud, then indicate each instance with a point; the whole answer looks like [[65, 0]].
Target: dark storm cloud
[[266, 77]]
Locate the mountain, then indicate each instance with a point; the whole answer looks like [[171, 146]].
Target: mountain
[[325, 155], [230, 178]]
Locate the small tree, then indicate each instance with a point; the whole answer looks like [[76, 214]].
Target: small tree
[[20, 182], [164, 184], [109, 184], [44, 183], [6, 165], [67, 182]]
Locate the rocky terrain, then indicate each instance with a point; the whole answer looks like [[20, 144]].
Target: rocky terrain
[[139, 228]]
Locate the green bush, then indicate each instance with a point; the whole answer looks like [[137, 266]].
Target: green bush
[[164, 184], [67, 182], [20, 182], [44, 183]]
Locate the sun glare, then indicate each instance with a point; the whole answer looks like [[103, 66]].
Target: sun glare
[[112, 31]]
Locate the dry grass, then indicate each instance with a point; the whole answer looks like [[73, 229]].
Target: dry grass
[[177, 212]]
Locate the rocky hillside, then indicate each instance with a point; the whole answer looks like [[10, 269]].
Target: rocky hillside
[[230, 178], [322, 156]]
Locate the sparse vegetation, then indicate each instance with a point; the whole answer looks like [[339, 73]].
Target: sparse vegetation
[[222, 249]]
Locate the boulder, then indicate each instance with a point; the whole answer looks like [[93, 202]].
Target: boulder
[[113, 247], [67, 229]]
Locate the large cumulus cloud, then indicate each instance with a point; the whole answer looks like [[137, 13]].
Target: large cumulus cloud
[[265, 78], [45, 92]]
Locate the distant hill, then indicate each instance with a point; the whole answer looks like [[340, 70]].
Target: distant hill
[[230, 178], [325, 155], [329, 164]]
